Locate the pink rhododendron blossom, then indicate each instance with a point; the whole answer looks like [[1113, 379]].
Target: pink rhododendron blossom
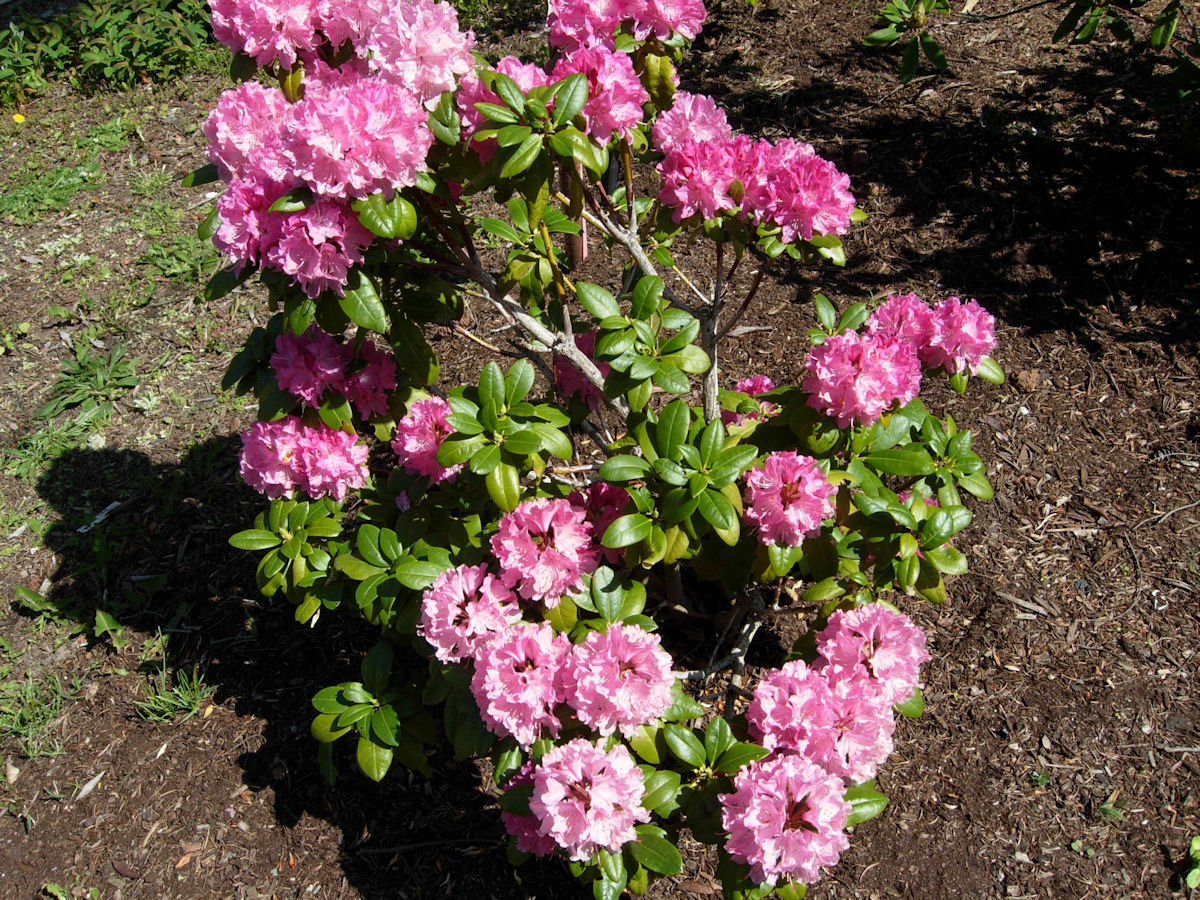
[[756, 384], [785, 819], [543, 547], [905, 317], [787, 496], [575, 23], [570, 380], [692, 119], [330, 462], [791, 710], [245, 134], [419, 45], [615, 95], [418, 437], [357, 138], [859, 738], [525, 828], [317, 245], [267, 460], [246, 225], [370, 377], [855, 378], [698, 178], [587, 799], [789, 185], [876, 643], [267, 30], [618, 678], [518, 682], [661, 18], [306, 365], [963, 334], [463, 605]]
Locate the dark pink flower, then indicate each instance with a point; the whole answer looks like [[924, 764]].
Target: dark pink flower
[[418, 437], [306, 365], [570, 380], [615, 95], [963, 334], [855, 378], [787, 496], [371, 376]]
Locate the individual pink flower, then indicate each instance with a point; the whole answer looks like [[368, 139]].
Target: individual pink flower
[[419, 45], [786, 819], [789, 185], [587, 799], [574, 24], [370, 377], [755, 384], [619, 678], [905, 317], [787, 496], [855, 378], [330, 462], [698, 178], [246, 226], [245, 134], [570, 380], [267, 461], [877, 643], [517, 681], [664, 17], [859, 738], [306, 365], [791, 710], [754, 410], [692, 119], [525, 828], [358, 137], [543, 547], [615, 95], [317, 245], [462, 606], [418, 437], [963, 334]]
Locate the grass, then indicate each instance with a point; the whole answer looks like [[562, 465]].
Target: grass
[[165, 703], [35, 192], [29, 709]]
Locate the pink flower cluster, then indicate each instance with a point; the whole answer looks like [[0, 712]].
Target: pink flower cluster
[[280, 457], [463, 607], [312, 363], [615, 93], [618, 679], [854, 378], [418, 437], [787, 496], [578, 23], [828, 725], [707, 170], [544, 547], [357, 130]]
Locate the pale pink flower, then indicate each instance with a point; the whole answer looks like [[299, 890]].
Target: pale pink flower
[[306, 365], [517, 680], [618, 678], [267, 461], [575, 23], [877, 643], [330, 462], [787, 496], [419, 45], [855, 378], [418, 437], [859, 738], [785, 819], [525, 828], [791, 710], [963, 334], [905, 317], [664, 17], [245, 134], [267, 30], [570, 380], [462, 606], [246, 226], [615, 95], [692, 119], [543, 547], [370, 377], [587, 799]]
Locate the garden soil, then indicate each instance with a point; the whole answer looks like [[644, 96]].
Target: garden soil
[[1059, 752]]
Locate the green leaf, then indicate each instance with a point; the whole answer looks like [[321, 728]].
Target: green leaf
[[947, 560], [976, 484], [1164, 27], [255, 539], [672, 429], [717, 739], [682, 706], [933, 52], [865, 803], [647, 297], [661, 791], [989, 370], [206, 174], [226, 280], [522, 442], [690, 359], [882, 37], [413, 353], [822, 591], [361, 303], [497, 113], [417, 574], [570, 99], [327, 700], [740, 754], [295, 200], [508, 91], [717, 511], [374, 759], [504, 487], [655, 852], [553, 441], [323, 730], [522, 157], [628, 529], [491, 386], [395, 218], [517, 381], [904, 462], [455, 451], [486, 460], [913, 706], [684, 744], [385, 726], [826, 314], [355, 568], [596, 300], [502, 230], [908, 63], [377, 667]]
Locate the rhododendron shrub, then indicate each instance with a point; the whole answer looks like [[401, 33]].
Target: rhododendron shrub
[[541, 554]]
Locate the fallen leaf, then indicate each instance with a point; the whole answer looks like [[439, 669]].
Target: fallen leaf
[[11, 772], [184, 860], [90, 786], [125, 870]]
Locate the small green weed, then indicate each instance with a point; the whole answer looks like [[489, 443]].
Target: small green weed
[[28, 711], [90, 380], [37, 192], [182, 257], [151, 184], [35, 451], [112, 135], [164, 704], [1191, 871]]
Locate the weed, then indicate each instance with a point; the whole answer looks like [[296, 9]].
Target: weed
[[1041, 779], [90, 380], [163, 704], [112, 135], [181, 256], [1111, 813], [36, 192], [28, 711], [1191, 872], [34, 452], [151, 184]]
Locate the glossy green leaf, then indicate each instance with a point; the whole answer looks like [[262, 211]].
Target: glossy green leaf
[[504, 487], [522, 157], [740, 754], [908, 62], [903, 462], [865, 803], [323, 729], [661, 790], [394, 218], [912, 707], [628, 529], [373, 759], [655, 852], [570, 99], [361, 303], [684, 745], [672, 429], [377, 667], [255, 539]]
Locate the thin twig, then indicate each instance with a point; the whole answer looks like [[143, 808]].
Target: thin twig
[[471, 336], [1159, 518]]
